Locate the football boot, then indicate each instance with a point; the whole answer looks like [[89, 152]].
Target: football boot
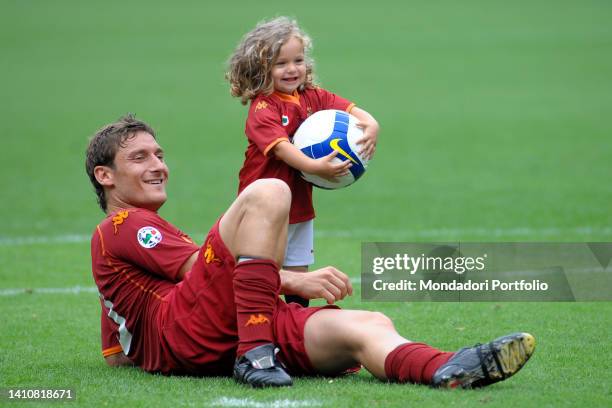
[[259, 367], [485, 364]]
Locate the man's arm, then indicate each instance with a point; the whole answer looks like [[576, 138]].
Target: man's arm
[[118, 360], [187, 265], [326, 283]]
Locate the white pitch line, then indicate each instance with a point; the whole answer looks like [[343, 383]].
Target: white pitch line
[[247, 402], [445, 233], [364, 233], [44, 239], [74, 290]]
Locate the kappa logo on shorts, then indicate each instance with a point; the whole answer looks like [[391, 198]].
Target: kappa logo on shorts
[[148, 237], [118, 219], [209, 254], [254, 320]]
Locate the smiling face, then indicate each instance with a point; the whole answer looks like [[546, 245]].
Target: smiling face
[[289, 69], [138, 175]]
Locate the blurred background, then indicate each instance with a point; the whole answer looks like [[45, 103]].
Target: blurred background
[[495, 116]]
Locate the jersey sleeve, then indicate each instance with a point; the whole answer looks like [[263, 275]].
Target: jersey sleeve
[[143, 239], [264, 126], [110, 343], [330, 100]]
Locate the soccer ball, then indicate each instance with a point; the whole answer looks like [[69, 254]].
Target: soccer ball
[[326, 131]]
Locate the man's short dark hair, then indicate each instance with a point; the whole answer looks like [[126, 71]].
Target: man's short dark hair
[[104, 145]]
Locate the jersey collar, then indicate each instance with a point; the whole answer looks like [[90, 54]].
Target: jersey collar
[[293, 98]]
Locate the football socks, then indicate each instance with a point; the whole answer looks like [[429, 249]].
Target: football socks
[[414, 362], [256, 288]]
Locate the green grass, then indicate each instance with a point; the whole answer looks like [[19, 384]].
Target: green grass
[[52, 341], [495, 127]]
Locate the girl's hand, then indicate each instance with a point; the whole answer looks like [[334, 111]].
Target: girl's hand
[[369, 139], [326, 167]]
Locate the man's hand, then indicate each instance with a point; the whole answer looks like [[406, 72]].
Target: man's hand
[[118, 360], [326, 283]]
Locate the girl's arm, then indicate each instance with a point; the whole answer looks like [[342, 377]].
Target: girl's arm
[[323, 167]]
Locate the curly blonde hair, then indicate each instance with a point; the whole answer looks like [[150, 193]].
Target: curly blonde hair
[[250, 66]]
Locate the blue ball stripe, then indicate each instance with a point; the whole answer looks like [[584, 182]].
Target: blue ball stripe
[[318, 150]]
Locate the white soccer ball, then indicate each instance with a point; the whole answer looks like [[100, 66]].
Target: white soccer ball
[[326, 131]]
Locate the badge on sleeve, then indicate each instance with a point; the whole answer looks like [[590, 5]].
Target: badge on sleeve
[[285, 120], [148, 237]]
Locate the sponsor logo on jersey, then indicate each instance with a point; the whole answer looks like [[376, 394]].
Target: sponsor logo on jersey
[[261, 105], [149, 237], [334, 145], [285, 120], [118, 219], [255, 320]]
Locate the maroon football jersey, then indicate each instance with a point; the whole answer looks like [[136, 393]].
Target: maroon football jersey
[[275, 118], [136, 259]]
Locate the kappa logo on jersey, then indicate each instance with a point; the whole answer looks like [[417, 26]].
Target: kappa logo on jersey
[[149, 237], [285, 120], [118, 219], [209, 254], [261, 105], [254, 320]]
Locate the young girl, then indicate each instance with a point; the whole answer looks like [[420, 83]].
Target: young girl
[[272, 69]]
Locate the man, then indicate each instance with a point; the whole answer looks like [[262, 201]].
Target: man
[[170, 306]]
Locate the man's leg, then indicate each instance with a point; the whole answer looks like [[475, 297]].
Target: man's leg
[[338, 339], [256, 223], [254, 229]]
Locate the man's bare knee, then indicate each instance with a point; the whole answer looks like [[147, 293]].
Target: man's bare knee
[[383, 319], [256, 223], [375, 319], [272, 196]]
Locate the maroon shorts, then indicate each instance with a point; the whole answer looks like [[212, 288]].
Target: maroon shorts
[[197, 321]]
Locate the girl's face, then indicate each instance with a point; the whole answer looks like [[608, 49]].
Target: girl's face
[[289, 70]]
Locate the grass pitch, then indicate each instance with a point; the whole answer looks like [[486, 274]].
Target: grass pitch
[[494, 127]]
